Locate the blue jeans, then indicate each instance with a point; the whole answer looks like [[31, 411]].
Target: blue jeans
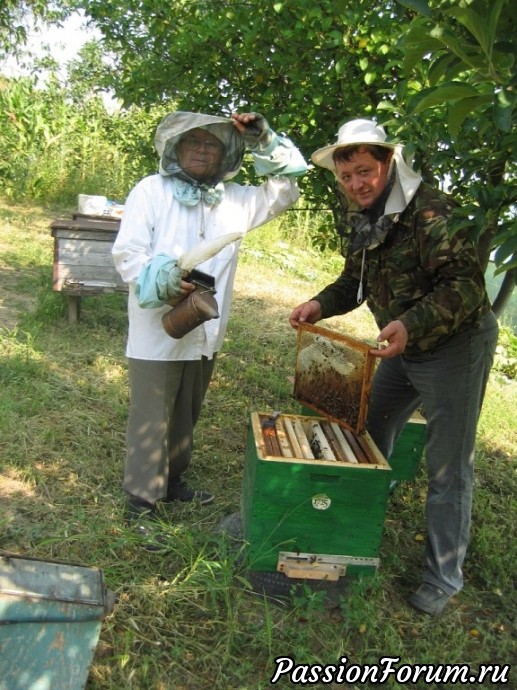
[[449, 382]]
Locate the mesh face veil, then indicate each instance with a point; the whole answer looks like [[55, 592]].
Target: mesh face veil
[[175, 125]]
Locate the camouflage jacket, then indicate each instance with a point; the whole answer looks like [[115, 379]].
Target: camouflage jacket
[[420, 275]]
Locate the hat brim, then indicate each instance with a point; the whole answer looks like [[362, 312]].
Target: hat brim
[[323, 156]]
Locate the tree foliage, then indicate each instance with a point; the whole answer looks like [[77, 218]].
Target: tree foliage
[[306, 65], [459, 60], [17, 15], [439, 74]]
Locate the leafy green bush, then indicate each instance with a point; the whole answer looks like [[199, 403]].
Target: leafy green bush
[[506, 354]]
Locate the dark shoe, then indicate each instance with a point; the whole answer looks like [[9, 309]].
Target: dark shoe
[[137, 508], [429, 599], [181, 492], [141, 518], [149, 535]]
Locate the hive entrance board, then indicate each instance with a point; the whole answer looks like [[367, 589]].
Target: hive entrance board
[[333, 375]]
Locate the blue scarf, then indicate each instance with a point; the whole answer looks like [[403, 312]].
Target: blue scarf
[[190, 194]]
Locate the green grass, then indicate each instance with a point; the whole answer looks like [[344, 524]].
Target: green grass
[[187, 619]]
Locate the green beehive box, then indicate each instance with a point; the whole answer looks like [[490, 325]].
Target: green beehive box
[[407, 452], [313, 519], [313, 503]]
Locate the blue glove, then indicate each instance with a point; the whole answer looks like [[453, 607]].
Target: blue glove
[[174, 279], [258, 134], [158, 282]]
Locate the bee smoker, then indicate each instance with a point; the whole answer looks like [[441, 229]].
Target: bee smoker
[[199, 306]]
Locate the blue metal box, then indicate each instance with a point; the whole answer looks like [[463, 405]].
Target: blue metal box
[[50, 620]]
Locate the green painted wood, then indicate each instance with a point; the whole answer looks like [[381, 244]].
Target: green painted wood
[[50, 620], [279, 513], [408, 450]]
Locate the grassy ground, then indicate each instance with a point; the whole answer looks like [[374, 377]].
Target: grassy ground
[[187, 619]]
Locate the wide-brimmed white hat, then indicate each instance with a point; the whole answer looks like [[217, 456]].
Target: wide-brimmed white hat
[[352, 133], [369, 132]]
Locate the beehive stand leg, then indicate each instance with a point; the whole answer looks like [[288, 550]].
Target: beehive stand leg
[[74, 308]]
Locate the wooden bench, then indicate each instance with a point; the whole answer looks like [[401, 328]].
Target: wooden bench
[[83, 264]]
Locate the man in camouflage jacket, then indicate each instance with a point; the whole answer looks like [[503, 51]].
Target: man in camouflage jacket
[[437, 336]]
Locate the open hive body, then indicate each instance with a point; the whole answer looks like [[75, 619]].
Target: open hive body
[[315, 485]]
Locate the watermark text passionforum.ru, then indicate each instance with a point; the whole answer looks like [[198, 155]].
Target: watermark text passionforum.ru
[[388, 667]]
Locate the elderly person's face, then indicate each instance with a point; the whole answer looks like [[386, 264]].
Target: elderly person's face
[[200, 154], [363, 177]]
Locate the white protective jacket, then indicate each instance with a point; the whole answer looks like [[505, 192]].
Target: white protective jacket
[[156, 222]]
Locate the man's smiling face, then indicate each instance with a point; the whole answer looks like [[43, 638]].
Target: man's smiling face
[[363, 177]]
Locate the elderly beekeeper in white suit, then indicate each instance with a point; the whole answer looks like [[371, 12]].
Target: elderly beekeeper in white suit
[[187, 216]]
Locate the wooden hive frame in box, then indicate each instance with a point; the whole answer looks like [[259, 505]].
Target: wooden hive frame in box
[[333, 378], [312, 438], [334, 375]]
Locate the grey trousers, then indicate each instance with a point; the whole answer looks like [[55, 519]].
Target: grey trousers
[[450, 383], [165, 404]]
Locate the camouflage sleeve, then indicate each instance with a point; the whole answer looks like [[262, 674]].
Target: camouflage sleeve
[[340, 297], [457, 281]]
